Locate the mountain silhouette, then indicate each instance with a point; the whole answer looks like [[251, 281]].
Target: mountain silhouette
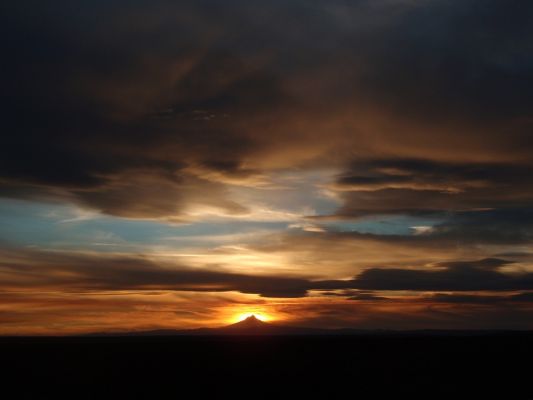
[[249, 326], [251, 322], [252, 326]]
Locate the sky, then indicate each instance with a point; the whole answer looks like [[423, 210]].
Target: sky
[[342, 164]]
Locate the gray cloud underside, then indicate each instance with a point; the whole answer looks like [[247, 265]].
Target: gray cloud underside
[[450, 276], [47, 271], [418, 186]]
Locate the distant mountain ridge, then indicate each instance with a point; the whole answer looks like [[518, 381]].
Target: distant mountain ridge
[[253, 326], [249, 326]]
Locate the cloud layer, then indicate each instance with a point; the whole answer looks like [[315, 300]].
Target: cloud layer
[[389, 140], [109, 92]]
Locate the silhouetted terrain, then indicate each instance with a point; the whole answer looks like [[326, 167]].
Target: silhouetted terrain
[[258, 366], [250, 326]]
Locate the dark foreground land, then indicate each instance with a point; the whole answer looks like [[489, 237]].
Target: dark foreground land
[[348, 367]]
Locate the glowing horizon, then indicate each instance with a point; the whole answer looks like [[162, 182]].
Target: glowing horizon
[[259, 316]]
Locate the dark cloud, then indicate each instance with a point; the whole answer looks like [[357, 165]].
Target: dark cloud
[[482, 275], [445, 298], [505, 225], [88, 272], [458, 59], [480, 299], [473, 202], [418, 186], [355, 295], [366, 296], [151, 196], [421, 174], [92, 85], [78, 272], [102, 90]]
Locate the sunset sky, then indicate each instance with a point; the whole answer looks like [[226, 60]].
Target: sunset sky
[[321, 163]]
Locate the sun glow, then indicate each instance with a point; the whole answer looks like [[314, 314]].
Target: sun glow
[[259, 315]]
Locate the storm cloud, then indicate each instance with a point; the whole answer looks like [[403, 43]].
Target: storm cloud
[[105, 91]]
